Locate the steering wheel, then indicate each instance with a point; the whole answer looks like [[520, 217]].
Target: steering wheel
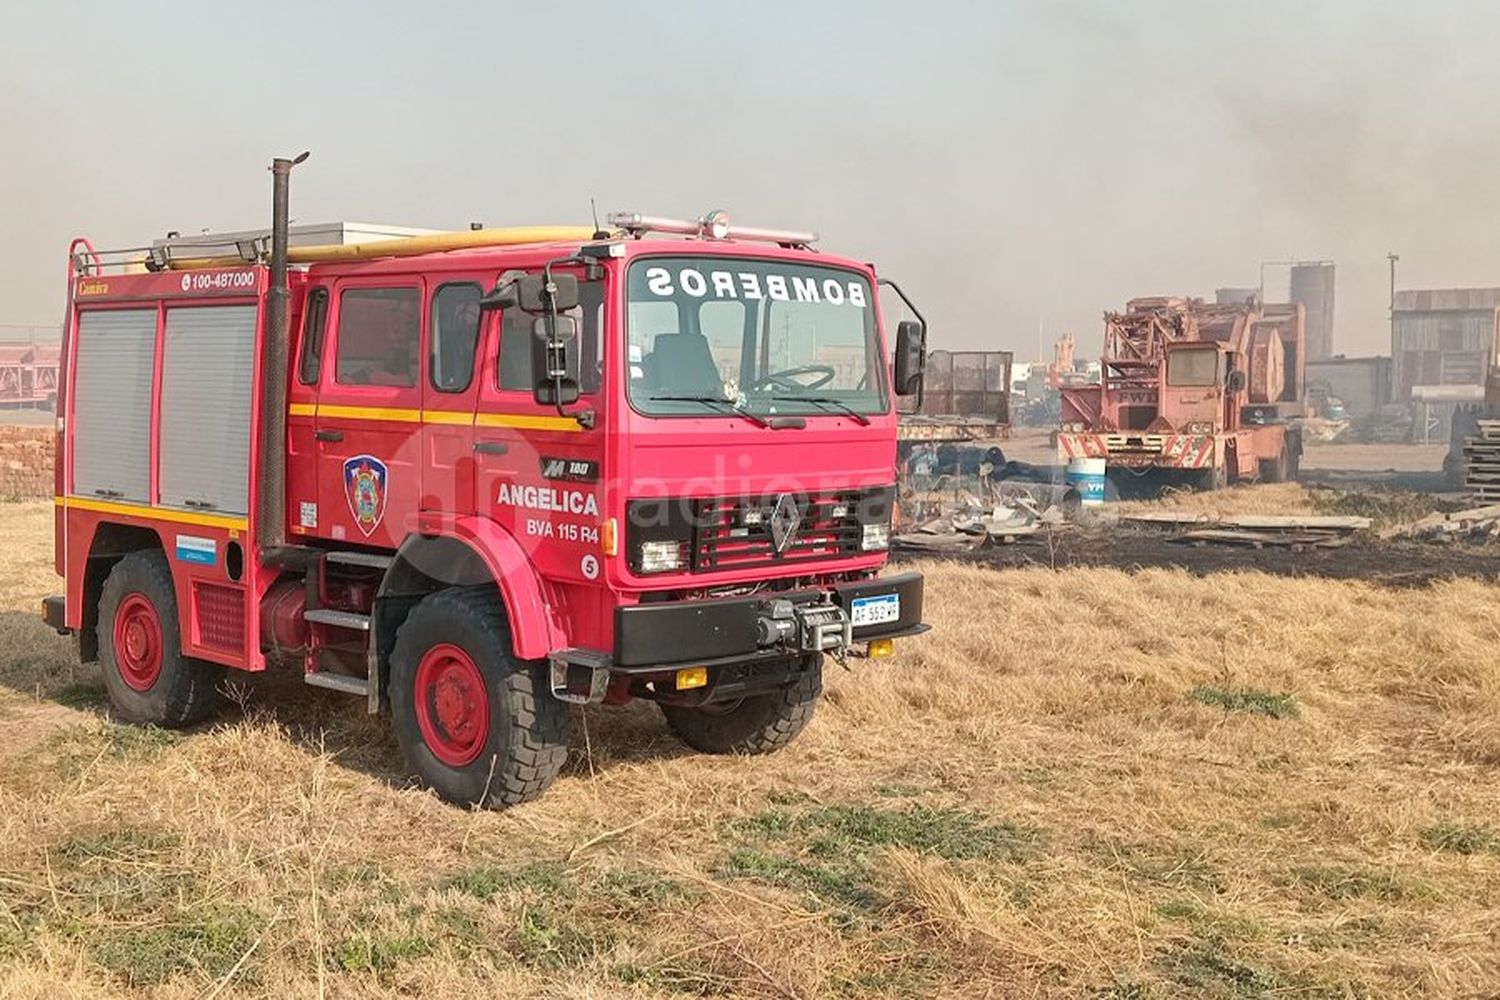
[[785, 378]]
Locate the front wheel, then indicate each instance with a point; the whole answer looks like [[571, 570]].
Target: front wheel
[[1216, 478], [1276, 470], [478, 726], [751, 725]]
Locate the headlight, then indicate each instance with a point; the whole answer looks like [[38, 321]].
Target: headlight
[[875, 537], [1201, 427], [659, 557]]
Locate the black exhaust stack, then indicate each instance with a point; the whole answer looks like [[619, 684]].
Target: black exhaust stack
[[270, 512]]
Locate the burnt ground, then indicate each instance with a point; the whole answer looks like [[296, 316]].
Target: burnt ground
[[1386, 563]]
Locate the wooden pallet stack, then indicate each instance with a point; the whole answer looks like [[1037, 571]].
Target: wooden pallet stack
[[1482, 462]]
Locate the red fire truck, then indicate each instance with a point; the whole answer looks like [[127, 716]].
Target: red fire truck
[[474, 477]]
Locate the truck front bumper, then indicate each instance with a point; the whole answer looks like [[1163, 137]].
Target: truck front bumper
[[744, 643], [1141, 449]]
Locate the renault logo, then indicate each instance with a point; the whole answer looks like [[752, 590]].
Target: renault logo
[[785, 520]]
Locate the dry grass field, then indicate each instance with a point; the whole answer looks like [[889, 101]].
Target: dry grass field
[[1082, 783]]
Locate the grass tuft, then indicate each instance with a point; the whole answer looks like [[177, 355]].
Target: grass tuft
[[544, 879], [1461, 839], [207, 946], [1352, 882], [1267, 703]]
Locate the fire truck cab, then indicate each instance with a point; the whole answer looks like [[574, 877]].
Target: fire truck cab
[[475, 477]]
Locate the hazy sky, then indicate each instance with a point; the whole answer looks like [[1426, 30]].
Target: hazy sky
[[1011, 164]]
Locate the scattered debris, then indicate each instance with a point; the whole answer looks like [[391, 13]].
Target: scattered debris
[[1321, 430], [1296, 540], [1250, 522], [1474, 524], [1007, 513], [1254, 531]]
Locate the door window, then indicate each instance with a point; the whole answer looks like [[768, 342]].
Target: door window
[[455, 330], [313, 321], [379, 335]]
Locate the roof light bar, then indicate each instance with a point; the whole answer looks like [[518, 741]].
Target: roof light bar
[[713, 226]]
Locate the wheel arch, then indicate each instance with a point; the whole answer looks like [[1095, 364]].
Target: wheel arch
[[472, 552], [110, 543]]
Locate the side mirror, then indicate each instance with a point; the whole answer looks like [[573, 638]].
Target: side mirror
[[1236, 381], [506, 294], [533, 291], [554, 360], [911, 357], [529, 292]]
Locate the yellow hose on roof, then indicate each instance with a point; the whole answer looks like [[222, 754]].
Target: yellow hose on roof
[[410, 246]]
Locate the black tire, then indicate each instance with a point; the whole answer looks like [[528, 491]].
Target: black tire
[[525, 741], [183, 690], [757, 724], [1274, 470], [1212, 479]]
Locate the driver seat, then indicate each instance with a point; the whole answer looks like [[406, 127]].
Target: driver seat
[[684, 364]]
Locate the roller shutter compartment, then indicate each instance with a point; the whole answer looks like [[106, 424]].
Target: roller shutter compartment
[[207, 368], [112, 403]]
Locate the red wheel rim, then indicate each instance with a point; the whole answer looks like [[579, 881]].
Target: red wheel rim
[[453, 706], [138, 642]]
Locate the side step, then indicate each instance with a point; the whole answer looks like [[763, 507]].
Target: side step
[[339, 619], [579, 676], [338, 682], [372, 560]]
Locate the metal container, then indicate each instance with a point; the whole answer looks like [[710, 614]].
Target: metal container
[[1312, 285], [1235, 296], [968, 384]]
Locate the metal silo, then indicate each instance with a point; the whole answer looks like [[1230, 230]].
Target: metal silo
[[1312, 285]]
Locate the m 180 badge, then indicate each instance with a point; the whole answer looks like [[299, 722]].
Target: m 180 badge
[[577, 470], [365, 486]]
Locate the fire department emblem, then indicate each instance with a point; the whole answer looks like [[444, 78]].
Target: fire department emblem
[[365, 486]]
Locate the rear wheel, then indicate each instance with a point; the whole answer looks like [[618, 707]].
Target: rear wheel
[[140, 650], [755, 724], [478, 726]]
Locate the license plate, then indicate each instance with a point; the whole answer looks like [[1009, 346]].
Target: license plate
[[874, 610]]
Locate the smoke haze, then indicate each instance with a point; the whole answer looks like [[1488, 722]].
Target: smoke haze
[[1015, 166]]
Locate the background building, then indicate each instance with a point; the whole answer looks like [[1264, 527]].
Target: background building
[[1362, 384], [1442, 337]]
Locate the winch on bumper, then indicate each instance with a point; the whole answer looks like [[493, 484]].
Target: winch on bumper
[[744, 644]]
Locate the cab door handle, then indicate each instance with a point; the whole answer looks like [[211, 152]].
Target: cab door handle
[[329, 435], [491, 447]]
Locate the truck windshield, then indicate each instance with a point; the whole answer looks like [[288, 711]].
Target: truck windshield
[[1193, 366], [765, 336]]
